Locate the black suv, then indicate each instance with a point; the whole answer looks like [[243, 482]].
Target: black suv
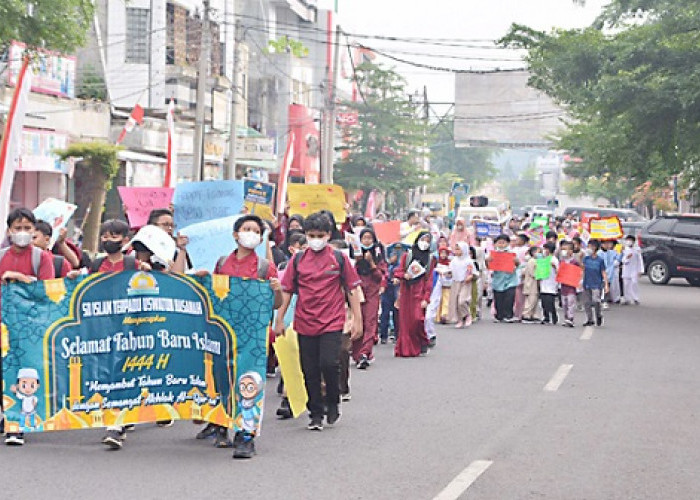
[[671, 248]]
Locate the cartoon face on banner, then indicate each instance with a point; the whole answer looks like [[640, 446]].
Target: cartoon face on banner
[[131, 347]]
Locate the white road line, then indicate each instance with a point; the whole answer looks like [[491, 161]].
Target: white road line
[[587, 333], [464, 480], [558, 378]]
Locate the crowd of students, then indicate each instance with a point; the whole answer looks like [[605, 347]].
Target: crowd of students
[[349, 292]]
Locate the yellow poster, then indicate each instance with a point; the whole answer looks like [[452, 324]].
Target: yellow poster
[[607, 228], [287, 351], [306, 199], [262, 211]]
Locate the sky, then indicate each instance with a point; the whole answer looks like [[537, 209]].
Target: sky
[[478, 20]]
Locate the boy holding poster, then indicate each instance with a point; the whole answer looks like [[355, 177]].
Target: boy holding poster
[[504, 280], [24, 263], [568, 291], [594, 281]]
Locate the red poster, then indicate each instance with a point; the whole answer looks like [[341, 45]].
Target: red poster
[[570, 274], [502, 261], [387, 232]]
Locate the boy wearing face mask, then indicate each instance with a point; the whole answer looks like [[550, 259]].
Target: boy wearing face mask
[[632, 268], [568, 293], [595, 280], [244, 263], [24, 263], [320, 278]]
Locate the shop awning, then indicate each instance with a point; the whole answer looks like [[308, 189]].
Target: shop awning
[[263, 164], [139, 157]]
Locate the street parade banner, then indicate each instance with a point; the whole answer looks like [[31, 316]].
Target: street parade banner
[[140, 201], [306, 199], [606, 228], [132, 347]]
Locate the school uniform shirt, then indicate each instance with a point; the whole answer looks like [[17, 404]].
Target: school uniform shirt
[[247, 267], [593, 269], [632, 263], [316, 279], [108, 266], [550, 285]]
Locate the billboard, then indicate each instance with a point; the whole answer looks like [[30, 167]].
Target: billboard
[[54, 74], [499, 109]]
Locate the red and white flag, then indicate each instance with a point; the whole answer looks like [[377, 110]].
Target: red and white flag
[[371, 209], [135, 118], [284, 175], [171, 162], [11, 148]]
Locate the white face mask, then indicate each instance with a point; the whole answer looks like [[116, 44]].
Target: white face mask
[[423, 245], [249, 239], [21, 238], [564, 253], [317, 244], [629, 243]]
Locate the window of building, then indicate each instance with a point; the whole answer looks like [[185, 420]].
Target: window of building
[[137, 35]]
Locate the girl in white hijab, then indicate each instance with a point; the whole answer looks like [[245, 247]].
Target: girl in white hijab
[[462, 270]]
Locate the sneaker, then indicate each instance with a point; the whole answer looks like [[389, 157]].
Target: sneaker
[[316, 424], [345, 397], [284, 412], [424, 350], [528, 321], [599, 321], [568, 323], [165, 423], [605, 306], [222, 440], [363, 363], [544, 322], [14, 439], [383, 341], [114, 439], [459, 324], [432, 342], [468, 322], [333, 414], [392, 338], [244, 448], [588, 323], [510, 320], [131, 427], [208, 431]]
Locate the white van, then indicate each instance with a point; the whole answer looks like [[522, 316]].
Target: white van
[[481, 213]]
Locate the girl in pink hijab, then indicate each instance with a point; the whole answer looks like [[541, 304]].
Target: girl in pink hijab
[[461, 233]]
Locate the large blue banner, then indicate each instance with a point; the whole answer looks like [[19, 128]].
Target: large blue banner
[[113, 349]]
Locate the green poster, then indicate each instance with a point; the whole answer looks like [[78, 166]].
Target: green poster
[[544, 268]]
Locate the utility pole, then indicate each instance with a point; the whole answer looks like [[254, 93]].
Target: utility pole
[[231, 166], [202, 75], [329, 149]]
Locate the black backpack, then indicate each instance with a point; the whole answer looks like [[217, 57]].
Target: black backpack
[[129, 264]]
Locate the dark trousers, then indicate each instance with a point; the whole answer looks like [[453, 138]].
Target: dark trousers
[[319, 356], [504, 302], [549, 308], [345, 349], [388, 311]]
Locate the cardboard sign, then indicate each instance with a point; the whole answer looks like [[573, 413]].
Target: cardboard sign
[[258, 198], [570, 274], [387, 232], [502, 261], [606, 228], [487, 229], [57, 213], [197, 202], [544, 268], [306, 199], [540, 221], [140, 201]]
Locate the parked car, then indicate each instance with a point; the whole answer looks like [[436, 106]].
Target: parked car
[[631, 221], [671, 248]]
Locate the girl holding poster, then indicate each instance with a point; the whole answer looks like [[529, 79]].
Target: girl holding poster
[[504, 280], [414, 273]]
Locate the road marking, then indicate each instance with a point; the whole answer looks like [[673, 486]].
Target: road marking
[[558, 378], [464, 480], [587, 333]]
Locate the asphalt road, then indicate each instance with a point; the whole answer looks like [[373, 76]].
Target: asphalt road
[[620, 421]]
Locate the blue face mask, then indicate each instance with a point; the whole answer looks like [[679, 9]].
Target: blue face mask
[[366, 247]]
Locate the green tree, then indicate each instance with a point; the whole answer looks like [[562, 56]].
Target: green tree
[[386, 149], [629, 83], [97, 165], [472, 165], [59, 25]]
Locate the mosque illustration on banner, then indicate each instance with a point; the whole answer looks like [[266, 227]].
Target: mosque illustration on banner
[[101, 417]]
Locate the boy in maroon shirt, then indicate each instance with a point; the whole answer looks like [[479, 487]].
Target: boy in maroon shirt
[[42, 239], [320, 276], [23, 263]]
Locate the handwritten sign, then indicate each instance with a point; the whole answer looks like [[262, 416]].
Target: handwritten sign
[[213, 239], [140, 201], [502, 261], [606, 228], [197, 202], [387, 232], [306, 199], [57, 213], [569, 274], [258, 198]]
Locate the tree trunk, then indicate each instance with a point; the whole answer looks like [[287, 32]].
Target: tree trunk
[[94, 192]]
